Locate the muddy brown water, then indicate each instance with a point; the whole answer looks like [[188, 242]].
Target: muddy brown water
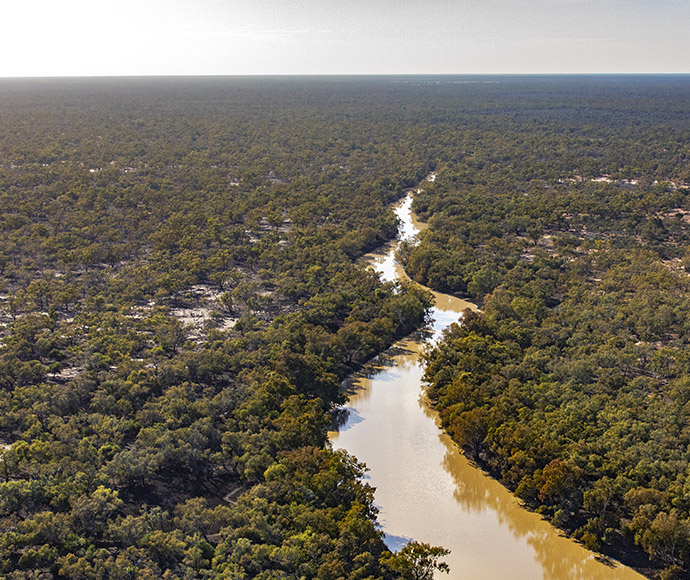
[[426, 489]]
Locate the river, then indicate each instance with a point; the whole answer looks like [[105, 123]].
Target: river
[[426, 489]]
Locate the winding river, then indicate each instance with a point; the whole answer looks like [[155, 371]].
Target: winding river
[[426, 489]]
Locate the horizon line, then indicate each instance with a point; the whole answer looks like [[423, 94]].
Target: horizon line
[[331, 75]]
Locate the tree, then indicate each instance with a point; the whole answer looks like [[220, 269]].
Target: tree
[[418, 561], [471, 429]]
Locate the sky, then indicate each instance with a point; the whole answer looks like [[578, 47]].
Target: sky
[[255, 37]]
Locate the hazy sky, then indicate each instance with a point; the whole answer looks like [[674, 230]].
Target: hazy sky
[[170, 37]]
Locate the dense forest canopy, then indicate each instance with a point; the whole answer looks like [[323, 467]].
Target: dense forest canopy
[[179, 306], [180, 300]]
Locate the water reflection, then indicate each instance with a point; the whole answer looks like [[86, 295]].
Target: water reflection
[[560, 558], [346, 419], [396, 543]]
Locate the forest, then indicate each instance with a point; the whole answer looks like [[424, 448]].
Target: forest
[[571, 385], [179, 306], [180, 300]]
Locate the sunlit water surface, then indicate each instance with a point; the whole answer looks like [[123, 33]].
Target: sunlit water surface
[[425, 488]]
